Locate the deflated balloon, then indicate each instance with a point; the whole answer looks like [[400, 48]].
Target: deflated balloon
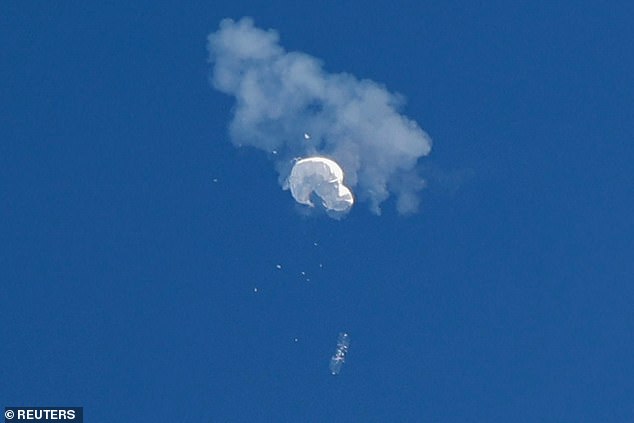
[[324, 178]]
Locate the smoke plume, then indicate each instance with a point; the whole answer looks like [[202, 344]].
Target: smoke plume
[[288, 106]]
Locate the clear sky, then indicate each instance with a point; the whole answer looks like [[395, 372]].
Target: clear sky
[[138, 245]]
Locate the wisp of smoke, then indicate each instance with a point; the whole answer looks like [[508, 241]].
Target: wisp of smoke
[[287, 105]]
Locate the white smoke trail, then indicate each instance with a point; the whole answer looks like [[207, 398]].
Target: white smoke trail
[[281, 97]]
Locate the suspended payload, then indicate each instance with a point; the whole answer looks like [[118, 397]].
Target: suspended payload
[[337, 360], [322, 177]]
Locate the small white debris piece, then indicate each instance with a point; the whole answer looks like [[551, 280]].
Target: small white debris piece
[[295, 339], [303, 273], [321, 265], [306, 136], [255, 290], [315, 244], [274, 151], [215, 179], [279, 266], [335, 364], [337, 360]]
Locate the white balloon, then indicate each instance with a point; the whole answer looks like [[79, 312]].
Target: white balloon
[[321, 176]]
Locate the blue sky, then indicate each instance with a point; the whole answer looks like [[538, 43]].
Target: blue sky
[[128, 273]]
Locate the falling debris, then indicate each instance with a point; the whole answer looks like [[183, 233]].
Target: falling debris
[[295, 339], [306, 136], [322, 177], [255, 290], [315, 244], [215, 179], [279, 266], [337, 360]]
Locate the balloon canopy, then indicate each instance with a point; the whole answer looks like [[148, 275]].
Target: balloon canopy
[[324, 178]]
